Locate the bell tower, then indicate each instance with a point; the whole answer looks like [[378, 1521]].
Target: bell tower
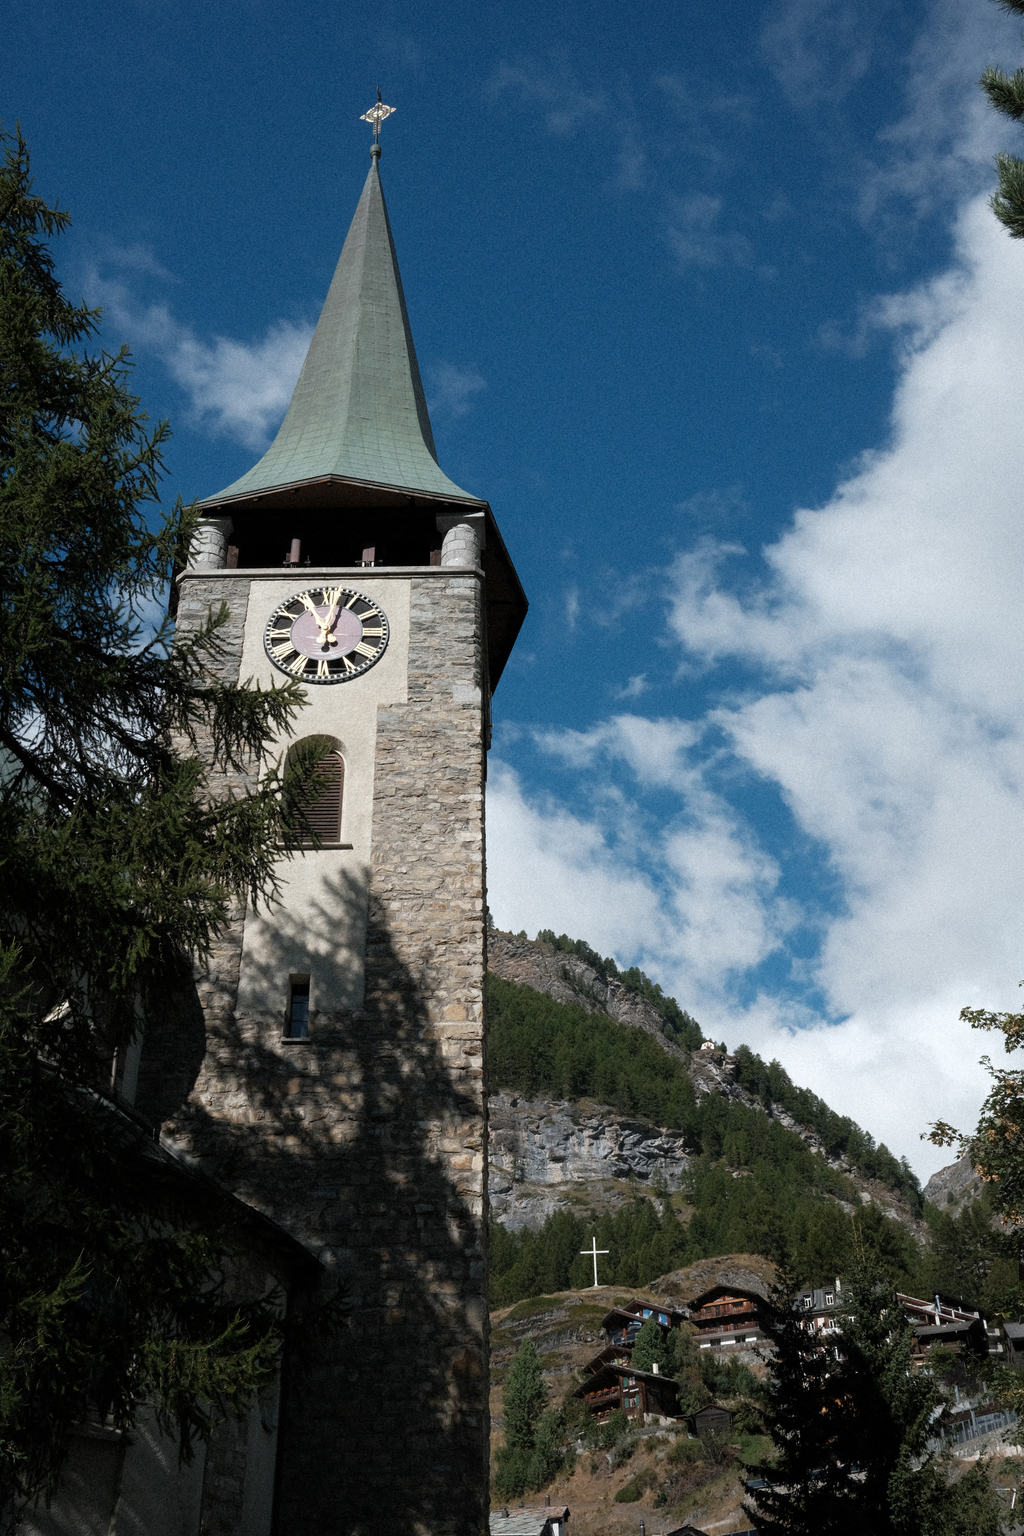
[[341, 1088]]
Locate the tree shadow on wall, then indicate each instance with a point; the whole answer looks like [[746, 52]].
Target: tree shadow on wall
[[366, 1142]]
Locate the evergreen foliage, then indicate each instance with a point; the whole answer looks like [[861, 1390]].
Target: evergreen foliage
[[850, 1433], [968, 1256], [677, 1024], [840, 1136], [119, 871], [532, 1453], [966, 1250], [649, 1347], [644, 1243], [752, 1180], [772, 1211], [1006, 94], [524, 1398], [537, 1045]]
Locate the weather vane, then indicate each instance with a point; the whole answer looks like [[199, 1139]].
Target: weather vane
[[376, 115]]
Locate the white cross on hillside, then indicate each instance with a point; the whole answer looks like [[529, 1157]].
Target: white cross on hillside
[[592, 1253]]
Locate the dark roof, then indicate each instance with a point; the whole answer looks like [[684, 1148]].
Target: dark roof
[[509, 1521], [927, 1330], [1014, 1330], [617, 1315], [606, 1355], [640, 1308], [725, 1290]]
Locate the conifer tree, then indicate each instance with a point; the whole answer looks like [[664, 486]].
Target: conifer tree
[[523, 1403], [1006, 93], [117, 871], [850, 1421], [649, 1347]]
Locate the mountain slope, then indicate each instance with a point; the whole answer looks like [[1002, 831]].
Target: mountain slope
[[557, 1151]]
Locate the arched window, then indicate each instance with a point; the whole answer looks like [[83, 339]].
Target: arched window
[[323, 815]]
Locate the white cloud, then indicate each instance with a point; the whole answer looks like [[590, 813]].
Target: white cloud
[[818, 49], [633, 689], [696, 893], [884, 644], [941, 149], [892, 713], [695, 236], [547, 868], [235, 389], [552, 85], [451, 389]]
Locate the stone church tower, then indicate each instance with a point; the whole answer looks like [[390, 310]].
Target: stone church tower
[[340, 1086]]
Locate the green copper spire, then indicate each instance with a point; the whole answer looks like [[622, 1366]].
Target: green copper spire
[[358, 412]]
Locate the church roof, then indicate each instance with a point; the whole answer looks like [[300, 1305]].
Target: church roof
[[358, 413]]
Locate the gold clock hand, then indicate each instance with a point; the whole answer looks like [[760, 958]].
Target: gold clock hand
[[321, 624]]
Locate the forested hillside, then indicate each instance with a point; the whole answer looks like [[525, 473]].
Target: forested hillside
[[772, 1169]]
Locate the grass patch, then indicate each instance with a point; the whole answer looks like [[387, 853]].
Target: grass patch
[[753, 1448], [532, 1307]]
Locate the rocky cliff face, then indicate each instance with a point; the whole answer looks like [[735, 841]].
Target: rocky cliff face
[[954, 1186], [546, 1155]]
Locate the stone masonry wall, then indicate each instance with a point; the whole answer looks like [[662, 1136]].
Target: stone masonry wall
[[368, 1141]]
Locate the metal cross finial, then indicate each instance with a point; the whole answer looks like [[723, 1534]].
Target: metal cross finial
[[376, 115], [592, 1253]]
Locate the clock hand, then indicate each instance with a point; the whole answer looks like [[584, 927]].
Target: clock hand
[[322, 624], [330, 619]]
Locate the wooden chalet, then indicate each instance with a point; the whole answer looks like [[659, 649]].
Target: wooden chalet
[[614, 1354], [726, 1315], [637, 1393], [622, 1324]]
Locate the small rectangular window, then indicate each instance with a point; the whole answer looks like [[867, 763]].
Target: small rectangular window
[[298, 1011]]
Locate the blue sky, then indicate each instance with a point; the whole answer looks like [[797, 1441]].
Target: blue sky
[[711, 308]]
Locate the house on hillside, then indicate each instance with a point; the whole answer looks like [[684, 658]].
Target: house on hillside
[[727, 1315], [1014, 1337], [946, 1320], [612, 1382], [622, 1324], [821, 1309], [637, 1393], [614, 1354], [951, 1321]]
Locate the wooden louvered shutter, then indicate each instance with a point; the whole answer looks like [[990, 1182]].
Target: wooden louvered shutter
[[323, 815]]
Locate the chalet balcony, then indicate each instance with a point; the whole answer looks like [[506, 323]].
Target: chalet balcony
[[626, 1335], [599, 1399]]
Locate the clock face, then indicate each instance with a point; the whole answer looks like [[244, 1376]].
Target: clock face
[[326, 635]]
